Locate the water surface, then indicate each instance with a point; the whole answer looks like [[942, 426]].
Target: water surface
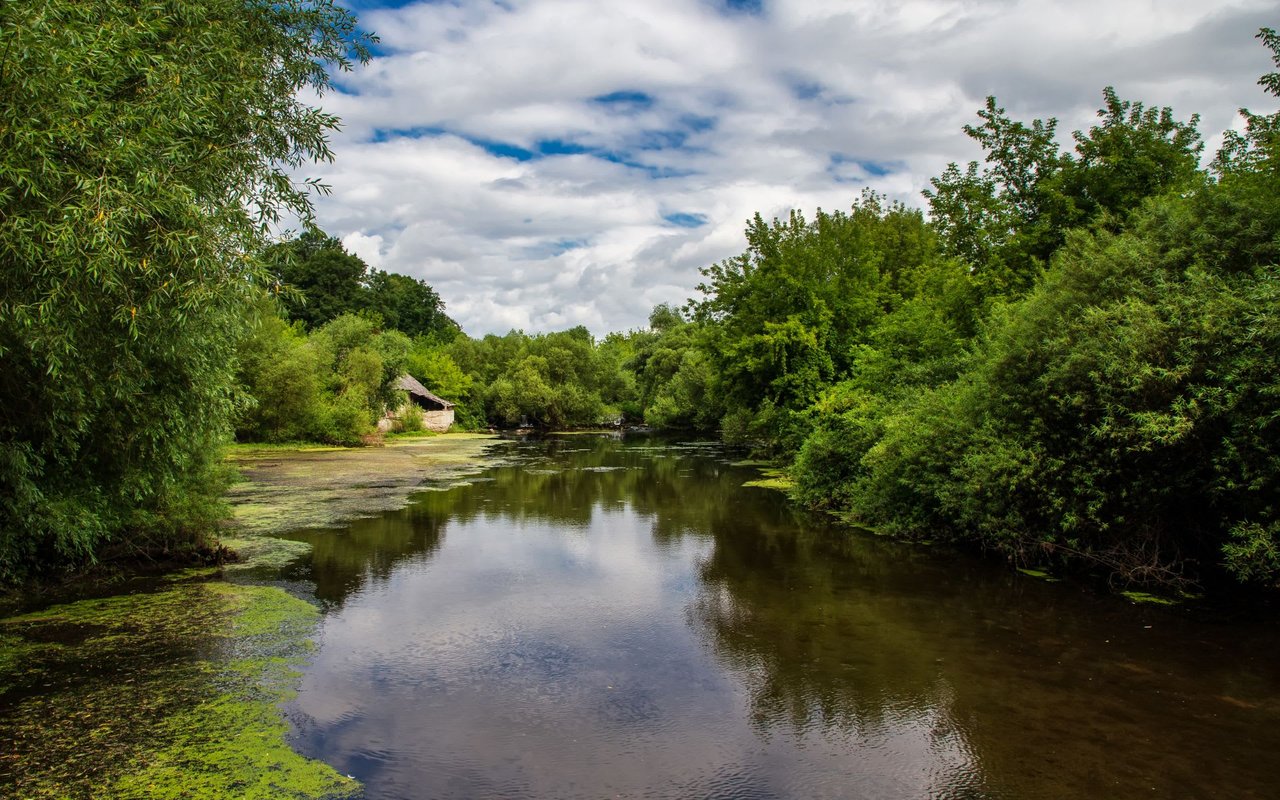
[[622, 618]]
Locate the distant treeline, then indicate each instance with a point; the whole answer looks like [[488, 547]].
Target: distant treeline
[[1071, 360]]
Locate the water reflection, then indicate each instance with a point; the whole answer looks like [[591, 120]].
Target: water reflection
[[605, 618]]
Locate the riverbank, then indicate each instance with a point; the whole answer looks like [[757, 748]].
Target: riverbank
[[171, 686]]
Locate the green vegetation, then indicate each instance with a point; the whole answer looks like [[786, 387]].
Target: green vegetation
[[283, 490], [1069, 360], [177, 689], [321, 362], [555, 380], [322, 281], [144, 151], [330, 386], [174, 691], [1148, 599], [1070, 363]]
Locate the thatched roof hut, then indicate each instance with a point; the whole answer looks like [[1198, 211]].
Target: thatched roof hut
[[436, 412], [420, 396]]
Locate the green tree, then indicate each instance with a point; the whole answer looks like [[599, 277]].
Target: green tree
[[409, 305], [1118, 409], [1007, 217], [321, 279], [144, 150], [1260, 142], [785, 320], [282, 377]]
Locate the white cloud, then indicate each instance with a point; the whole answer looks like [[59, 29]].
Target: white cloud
[[367, 247], [715, 116]]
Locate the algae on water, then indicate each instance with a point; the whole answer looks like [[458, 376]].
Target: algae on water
[[1149, 599], [175, 692], [775, 479], [289, 490], [166, 694], [1038, 573]]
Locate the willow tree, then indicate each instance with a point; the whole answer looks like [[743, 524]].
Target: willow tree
[[145, 149]]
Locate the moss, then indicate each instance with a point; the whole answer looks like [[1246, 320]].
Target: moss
[[173, 693]]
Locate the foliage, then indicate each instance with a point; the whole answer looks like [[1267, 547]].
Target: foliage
[[1118, 410], [331, 386], [1072, 362], [553, 380], [321, 281], [143, 151], [1007, 218], [785, 316]]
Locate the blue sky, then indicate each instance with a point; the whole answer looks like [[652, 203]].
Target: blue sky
[[549, 163]]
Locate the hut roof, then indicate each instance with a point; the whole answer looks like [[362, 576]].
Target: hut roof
[[409, 384]]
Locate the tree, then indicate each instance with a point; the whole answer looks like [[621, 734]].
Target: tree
[[1122, 411], [784, 319], [144, 151], [1007, 217], [987, 213], [321, 279], [1136, 153], [1260, 143], [409, 305]]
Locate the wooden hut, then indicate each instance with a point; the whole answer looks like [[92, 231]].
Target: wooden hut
[[437, 413]]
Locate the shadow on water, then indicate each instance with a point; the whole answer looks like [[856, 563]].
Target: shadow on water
[[604, 618]]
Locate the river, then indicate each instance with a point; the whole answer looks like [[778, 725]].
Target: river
[[603, 617]]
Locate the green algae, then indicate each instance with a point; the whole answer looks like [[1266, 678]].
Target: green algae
[[286, 490], [775, 479], [1037, 573], [176, 692], [191, 574], [586, 432], [781, 484], [423, 434], [233, 744], [1149, 599], [263, 553], [241, 449], [166, 694]]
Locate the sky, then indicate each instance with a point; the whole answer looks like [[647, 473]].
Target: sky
[[551, 163]]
